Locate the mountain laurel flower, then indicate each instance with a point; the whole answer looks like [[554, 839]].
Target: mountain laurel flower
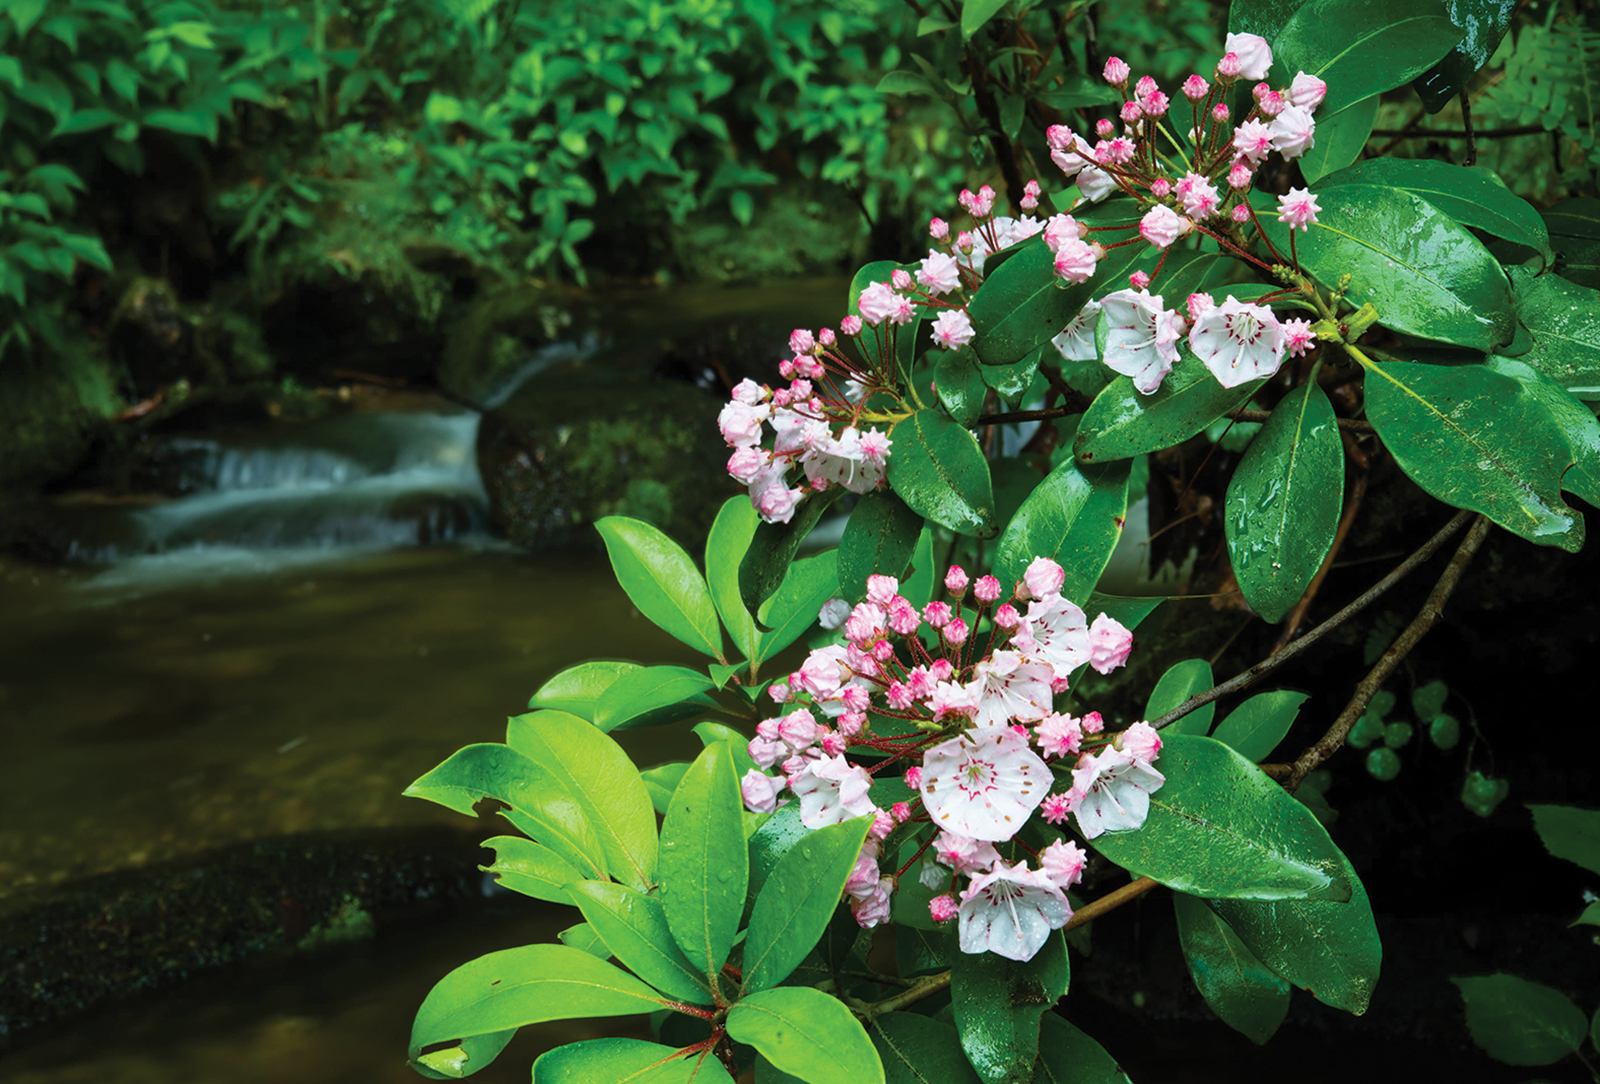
[[985, 786], [938, 228], [834, 613], [1076, 341], [1220, 112], [1109, 644], [1076, 260], [1238, 342], [900, 279], [1200, 199], [1111, 791], [1255, 55], [1197, 304], [952, 330], [1293, 132], [1042, 579], [850, 325], [802, 342], [1161, 226], [943, 908], [746, 464], [1299, 209], [831, 791], [1298, 336], [1195, 88], [1030, 195], [1008, 688], [875, 907], [1054, 632], [1240, 175], [956, 581], [1253, 140], [1095, 184], [1116, 72], [1161, 188], [1307, 91], [1114, 151], [1270, 102], [963, 854], [1229, 68], [877, 303], [1156, 104], [1131, 112], [1139, 280], [1059, 735], [1060, 229], [760, 791], [1011, 912], [1240, 213], [987, 589], [1141, 337], [1142, 741], [1063, 863]]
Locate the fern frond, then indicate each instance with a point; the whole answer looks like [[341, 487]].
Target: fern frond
[[1551, 78]]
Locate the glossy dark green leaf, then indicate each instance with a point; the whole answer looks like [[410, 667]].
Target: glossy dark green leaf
[[1283, 502], [938, 470], [1469, 196], [1340, 139], [1239, 988], [704, 866], [808, 1034], [1576, 419], [959, 382], [1129, 611], [1263, 18], [1379, 45], [879, 540], [1563, 320], [516, 987], [598, 774], [797, 901], [1219, 827], [923, 578], [916, 1049], [793, 608], [653, 695], [998, 1003], [634, 929], [766, 562], [1484, 22], [726, 546], [1073, 516], [1574, 226], [1521, 1022], [531, 868], [662, 582], [1474, 439], [1569, 832], [577, 689], [626, 1061], [1255, 727], [1012, 381], [1068, 1056], [540, 804], [1122, 422], [1181, 681], [1331, 950], [1423, 271], [922, 952], [769, 843], [1023, 304]]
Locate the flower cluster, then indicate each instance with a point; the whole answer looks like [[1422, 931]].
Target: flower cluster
[[959, 697], [1237, 340]]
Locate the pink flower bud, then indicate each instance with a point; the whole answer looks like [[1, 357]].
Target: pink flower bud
[[801, 341], [850, 325], [937, 614], [955, 633], [1307, 91], [943, 908], [1228, 68], [964, 242], [1007, 618], [1219, 112], [1160, 187], [900, 279], [851, 722], [1116, 72], [986, 590], [1104, 128], [1239, 176], [1139, 280], [913, 778], [939, 229], [826, 337], [882, 651], [1199, 303], [1093, 723], [1157, 104], [1145, 87], [1273, 103], [955, 581], [1131, 112], [1030, 195], [1195, 88], [901, 812], [1240, 214]]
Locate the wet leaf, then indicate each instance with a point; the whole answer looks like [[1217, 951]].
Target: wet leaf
[[960, 385], [1073, 516], [879, 540], [1574, 226], [938, 470], [634, 929], [1181, 681], [1068, 1056], [916, 1049], [1219, 827], [1379, 45], [797, 901], [1123, 422], [653, 696], [806, 1033], [662, 582], [626, 1061], [1254, 728], [726, 546], [531, 868], [1563, 320], [772, 549], [1239, 988], [998, 1003], [1469, 196], [1577, 421], [704, 866], [793, 608], [1474, 439], [577, 689], [1339, 140], [1485, 22], [1283, 503]]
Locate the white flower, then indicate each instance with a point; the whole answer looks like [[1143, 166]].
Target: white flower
[[1009, 688], [1111, 791], [1141, 337], [1011, 911], [963, 853], [1076, 341], [1238, 342], [986, 786], [939, 272], [1293, 132], [1095, 184], [1056, 633], [1255, 55], [952, 330], [832, 790]]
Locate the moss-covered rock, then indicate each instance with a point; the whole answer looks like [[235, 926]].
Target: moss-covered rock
[[50, 413]]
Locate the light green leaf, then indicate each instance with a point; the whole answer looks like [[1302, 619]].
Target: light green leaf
[[594, 770], [531, 868], [808, 1034], [938, 469], [1255, 727], [1283, 503], [974, 13], [583, 937], [704, 865], [577, 689], [1219, 827], [797, 901], [1521, 1022], [634, 929], [795, 605], [627, 1061], [906, 83], [1475, 439], [726, 546], [1239, 988], [661, 781], [662, 582], [653, 695]]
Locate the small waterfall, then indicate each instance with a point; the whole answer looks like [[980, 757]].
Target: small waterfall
[[353, 484]]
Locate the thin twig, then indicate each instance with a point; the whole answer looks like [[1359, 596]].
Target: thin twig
[[1023, 416], [924, 987], [1272, 662], [1357, 491], [1426, 618], [1466, 124], [1460, 133], [1250, 414]]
